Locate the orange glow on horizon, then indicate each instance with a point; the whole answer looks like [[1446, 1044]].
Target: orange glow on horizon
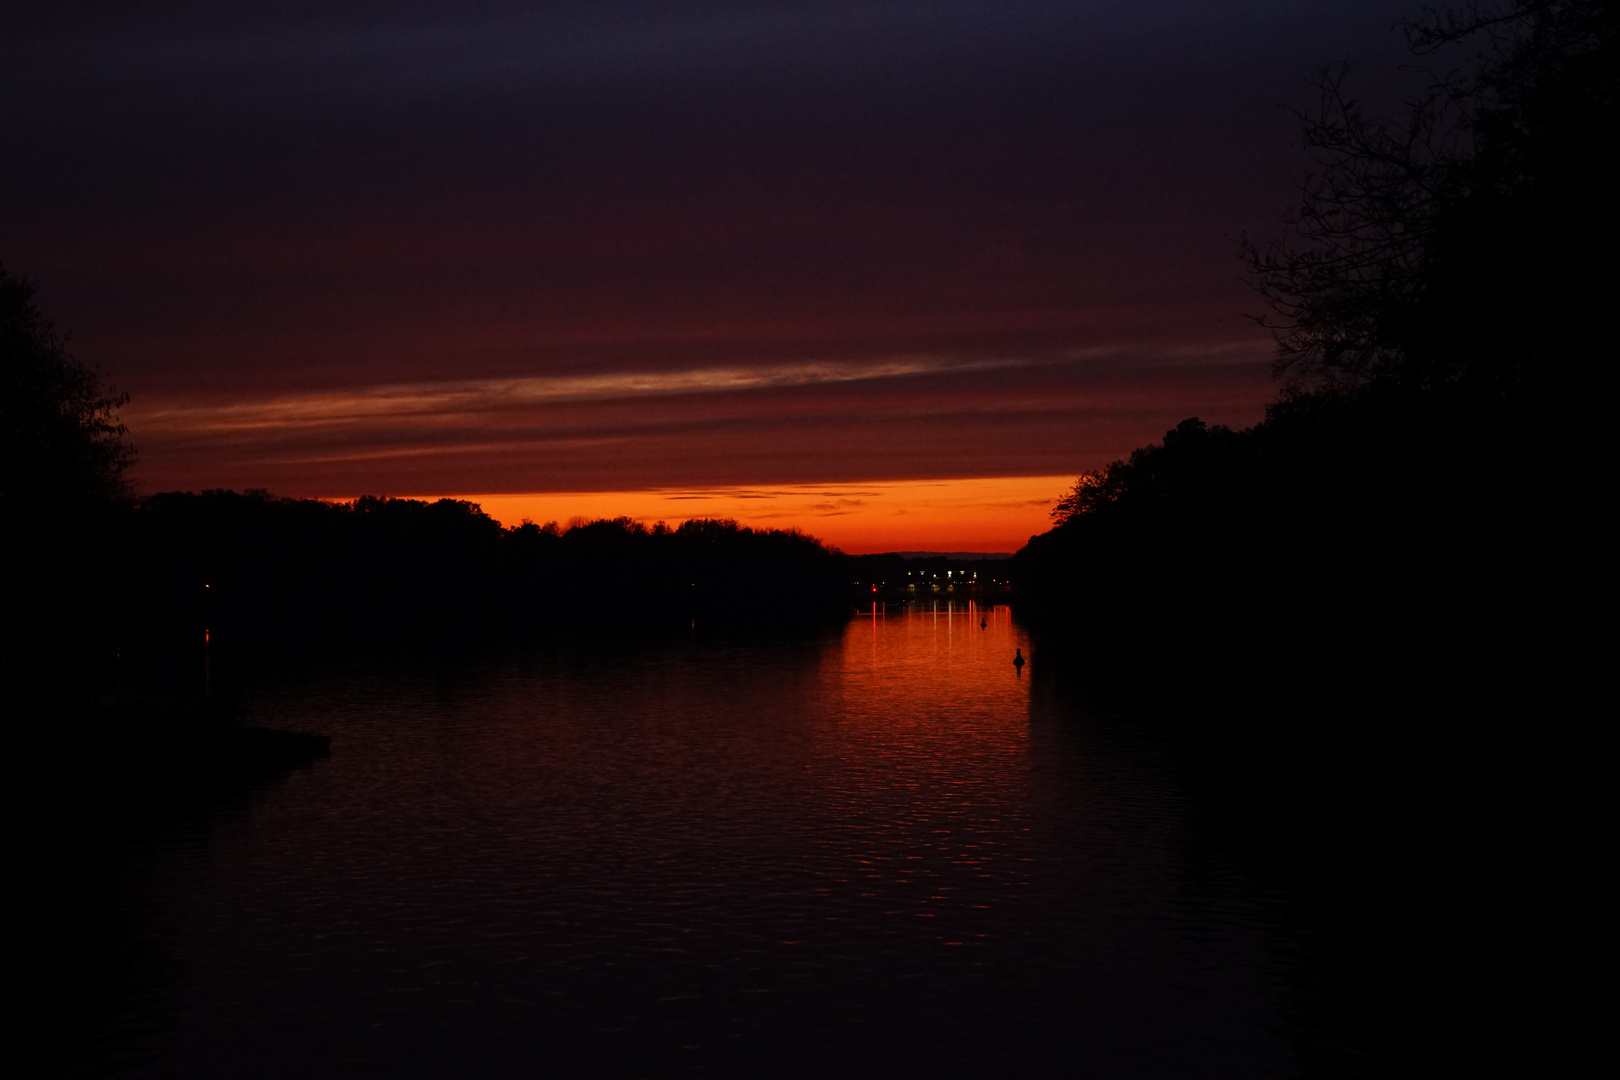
[[990, 514]]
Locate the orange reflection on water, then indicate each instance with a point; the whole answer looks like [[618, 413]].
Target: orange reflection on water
[[941, 670], [924, 755]]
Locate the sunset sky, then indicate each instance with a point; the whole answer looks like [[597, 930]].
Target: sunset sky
[[887, 272]]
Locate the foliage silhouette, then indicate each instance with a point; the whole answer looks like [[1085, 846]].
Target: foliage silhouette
[[253, 565], [1448, 379], [63, 458], [1466, 244], [1377, 621], [64, 445]]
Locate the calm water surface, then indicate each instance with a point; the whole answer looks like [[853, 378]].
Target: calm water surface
[[883, 852]]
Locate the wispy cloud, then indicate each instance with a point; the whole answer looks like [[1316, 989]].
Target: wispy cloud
[[445, 401]]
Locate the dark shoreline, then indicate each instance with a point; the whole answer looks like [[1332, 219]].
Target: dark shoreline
[[135, 755]]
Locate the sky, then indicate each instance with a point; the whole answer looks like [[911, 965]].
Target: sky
[[883, 271]]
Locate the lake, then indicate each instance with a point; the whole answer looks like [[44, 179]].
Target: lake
[[885, 850]]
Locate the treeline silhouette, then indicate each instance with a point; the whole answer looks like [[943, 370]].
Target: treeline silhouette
[[252, 569], [252, 564], [1379, 623]]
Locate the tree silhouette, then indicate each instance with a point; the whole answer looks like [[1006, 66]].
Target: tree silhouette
[[64, 445], [1464, 244], [1380, 620], [63, 457]]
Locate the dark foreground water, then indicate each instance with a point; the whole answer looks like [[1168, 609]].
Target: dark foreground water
[[881, 853]]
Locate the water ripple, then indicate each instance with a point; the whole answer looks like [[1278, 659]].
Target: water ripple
[[889, 852]]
